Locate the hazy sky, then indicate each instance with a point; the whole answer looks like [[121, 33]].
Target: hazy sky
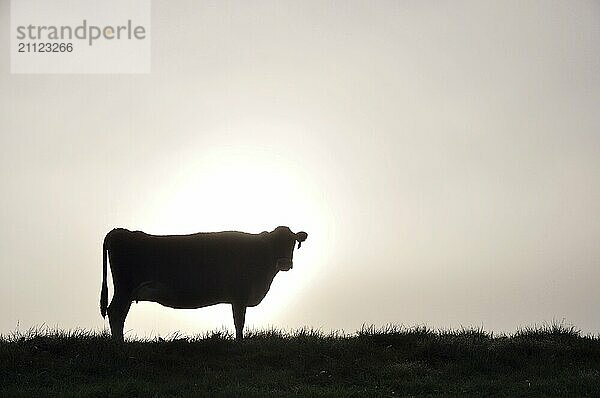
[[443, 156]]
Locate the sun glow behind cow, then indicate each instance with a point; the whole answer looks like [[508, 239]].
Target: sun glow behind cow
[[247, 190]]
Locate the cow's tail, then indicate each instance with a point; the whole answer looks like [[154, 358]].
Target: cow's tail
[[104, 291]]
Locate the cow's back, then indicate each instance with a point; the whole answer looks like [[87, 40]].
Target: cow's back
[[218, 265]]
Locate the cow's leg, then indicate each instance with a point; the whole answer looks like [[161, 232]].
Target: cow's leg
[[117, 312], [239, 317]]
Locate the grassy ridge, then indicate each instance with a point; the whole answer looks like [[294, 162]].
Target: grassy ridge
[[392, 361]]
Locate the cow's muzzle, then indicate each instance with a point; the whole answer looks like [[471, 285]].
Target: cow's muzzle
[[284, 264]]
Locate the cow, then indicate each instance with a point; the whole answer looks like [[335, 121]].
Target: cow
[[193, 271]]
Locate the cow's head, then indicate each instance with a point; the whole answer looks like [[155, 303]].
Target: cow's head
[[284, 242]]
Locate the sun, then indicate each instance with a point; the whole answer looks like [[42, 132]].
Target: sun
[[244, 189]]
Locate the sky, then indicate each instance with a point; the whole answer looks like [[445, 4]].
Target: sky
[[444, 158]]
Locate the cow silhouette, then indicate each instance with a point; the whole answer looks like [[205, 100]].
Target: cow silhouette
[[193, 271]]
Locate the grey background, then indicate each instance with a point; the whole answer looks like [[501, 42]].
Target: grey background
[[442, 156]]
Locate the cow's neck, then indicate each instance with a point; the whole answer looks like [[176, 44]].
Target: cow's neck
[[261, 288]]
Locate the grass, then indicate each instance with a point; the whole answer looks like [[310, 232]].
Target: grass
[[548, 361]]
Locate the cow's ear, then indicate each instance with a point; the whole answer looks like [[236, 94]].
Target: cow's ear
[[301, 237]]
